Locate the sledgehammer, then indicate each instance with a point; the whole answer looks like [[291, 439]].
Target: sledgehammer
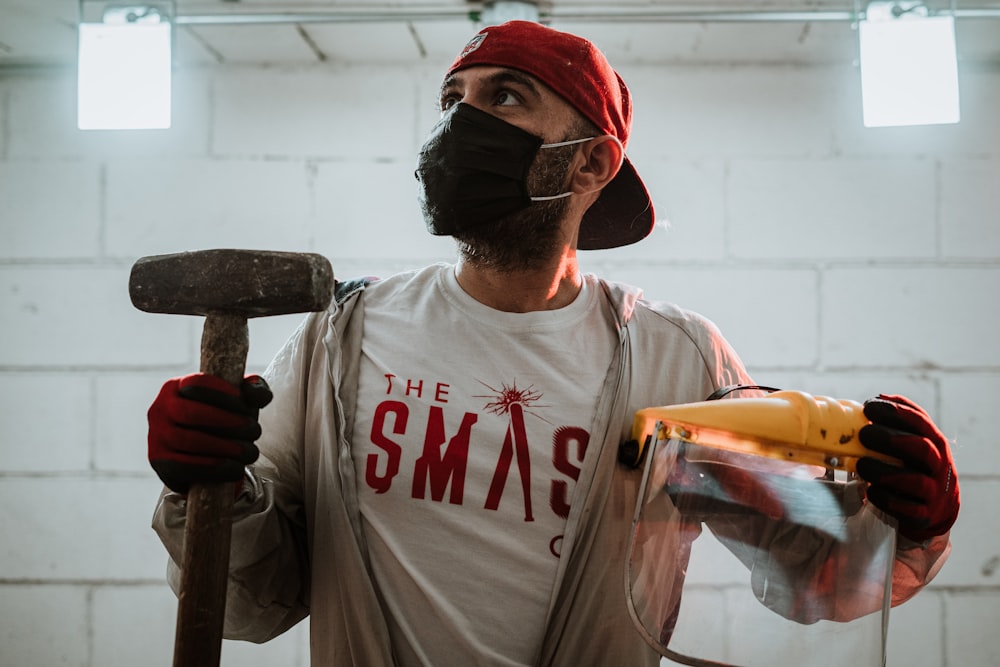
[[227, 287]]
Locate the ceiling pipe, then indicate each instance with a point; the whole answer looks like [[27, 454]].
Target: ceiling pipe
[[477, 12]]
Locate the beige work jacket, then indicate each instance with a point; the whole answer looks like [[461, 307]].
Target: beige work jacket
[[298, 547]]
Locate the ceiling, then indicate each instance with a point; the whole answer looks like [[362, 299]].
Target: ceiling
[[42, 33]]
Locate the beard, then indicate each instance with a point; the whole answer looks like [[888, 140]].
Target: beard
[[529, 238]]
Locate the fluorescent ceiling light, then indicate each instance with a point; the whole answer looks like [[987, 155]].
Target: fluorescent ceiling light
[[909, 67], [124, 72]]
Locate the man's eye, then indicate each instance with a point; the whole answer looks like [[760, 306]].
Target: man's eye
[[507, 98]]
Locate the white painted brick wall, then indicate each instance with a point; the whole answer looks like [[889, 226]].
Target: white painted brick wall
[[831, 209], [34, 442], [970, 202], [933, 316], [316, 113], [39, 226], [93, 527], [59, 316], [916, 633], [836, 259], [155, 206], [971, 637], [45, 625], [722, 112], [968, 414], [974, 561]]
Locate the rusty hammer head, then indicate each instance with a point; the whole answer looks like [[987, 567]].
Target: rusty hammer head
[[247, 283], [227, 287]]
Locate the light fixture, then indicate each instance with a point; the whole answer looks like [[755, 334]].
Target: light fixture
[[921, 103], [124, 67], [909, 67]]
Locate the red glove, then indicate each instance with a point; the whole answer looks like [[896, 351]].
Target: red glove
[[922, 494], [202, 429]]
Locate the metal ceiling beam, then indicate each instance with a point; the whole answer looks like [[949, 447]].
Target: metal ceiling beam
[[373, 15], [604, 14]]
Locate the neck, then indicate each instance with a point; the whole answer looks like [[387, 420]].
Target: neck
[[547, 287]]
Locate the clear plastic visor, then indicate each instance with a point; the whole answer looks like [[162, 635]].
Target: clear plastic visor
[[739, 559]]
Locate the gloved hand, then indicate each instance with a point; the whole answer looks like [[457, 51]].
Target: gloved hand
[[922, 494], [202, 429]]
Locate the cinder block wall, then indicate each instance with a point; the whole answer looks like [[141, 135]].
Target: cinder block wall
[[837, 260]]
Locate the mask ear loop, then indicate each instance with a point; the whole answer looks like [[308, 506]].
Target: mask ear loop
[[551, 197], [560, 144], [571, 142]]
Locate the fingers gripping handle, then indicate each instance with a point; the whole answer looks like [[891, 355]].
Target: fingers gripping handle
[[208, 528]]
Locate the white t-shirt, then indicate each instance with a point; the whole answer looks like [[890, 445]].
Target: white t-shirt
[[466, 456]]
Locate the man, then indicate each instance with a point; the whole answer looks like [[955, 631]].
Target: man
[[438, 480]]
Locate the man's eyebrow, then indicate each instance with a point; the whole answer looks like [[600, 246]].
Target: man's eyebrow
[[505, 76], [520, 78]]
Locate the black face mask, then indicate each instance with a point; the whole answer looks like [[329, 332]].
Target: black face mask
[[473, 170]]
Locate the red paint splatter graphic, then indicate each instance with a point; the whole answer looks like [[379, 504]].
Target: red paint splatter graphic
[[513, 402], [508, 396]]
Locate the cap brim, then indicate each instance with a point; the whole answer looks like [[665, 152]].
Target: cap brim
[[623, 214]]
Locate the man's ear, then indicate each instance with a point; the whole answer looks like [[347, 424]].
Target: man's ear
[[602, 158]]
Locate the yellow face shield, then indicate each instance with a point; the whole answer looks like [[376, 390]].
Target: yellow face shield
[[753, 542]]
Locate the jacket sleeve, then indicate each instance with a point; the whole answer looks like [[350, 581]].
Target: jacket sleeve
[[268, 590], [916, 565], [264, 591]]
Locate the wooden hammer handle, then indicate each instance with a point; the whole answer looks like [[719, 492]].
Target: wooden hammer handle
[[201, 605]]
